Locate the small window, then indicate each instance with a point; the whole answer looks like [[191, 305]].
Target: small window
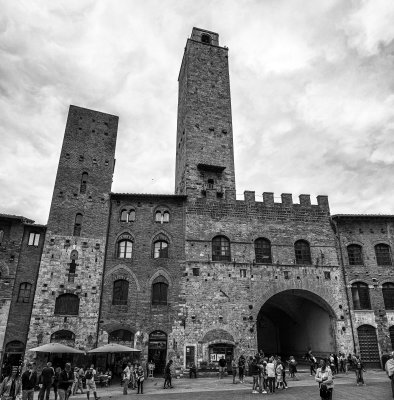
[[388, 295], [242, 273], [302, 252], [127, 216], [24, 292], [166, 216], [327, 275], [158, 216], [34, 238], [120, 292], [84, 182], [125, 248], [354, 252], [211, 184], [196, 271], [262, 249], [286, 274], [159, 291], [360, 294], [131, 215], [124, 216], [205, 38], [383, 256], [221, 249], [78, 225], [160, 249], [1, 235]]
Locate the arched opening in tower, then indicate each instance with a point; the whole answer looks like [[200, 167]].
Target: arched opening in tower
[[295, 321]]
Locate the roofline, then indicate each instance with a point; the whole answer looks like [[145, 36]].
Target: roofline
[[174, 196], [17, 217], [337, 216]]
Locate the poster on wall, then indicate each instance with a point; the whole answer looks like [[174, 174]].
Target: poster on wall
[[213, 357]]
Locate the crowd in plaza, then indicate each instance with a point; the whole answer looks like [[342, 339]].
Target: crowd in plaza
[[269, 374]]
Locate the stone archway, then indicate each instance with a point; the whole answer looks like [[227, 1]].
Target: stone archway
[[294, 321]]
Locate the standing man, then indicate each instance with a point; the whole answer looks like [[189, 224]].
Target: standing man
[[90, 382], [389, 367], [29, 382], [66, 379], [222, 366], [46, 381]]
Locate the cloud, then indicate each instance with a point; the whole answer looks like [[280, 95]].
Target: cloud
[[311, 83]]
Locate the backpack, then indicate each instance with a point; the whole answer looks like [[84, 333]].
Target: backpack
[[89, 374]]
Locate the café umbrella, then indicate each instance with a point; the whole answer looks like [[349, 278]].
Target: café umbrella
[[56, 348], [113, 348]]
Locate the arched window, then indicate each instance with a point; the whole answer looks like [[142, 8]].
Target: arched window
[[120, 293], [221, 249], [121, 336], [78, 225], [131, 215], [125, 248], [166, 216], [64, 336], [160, 249], [67, 304], [15, 347], [84, 182], [205, 38], [127, 215], [382, 252], [354, 253], [262, 250], [159, 291], [302, 252], [388, 295], [24, 292], [360, 294], [158, 216], [123, 216]]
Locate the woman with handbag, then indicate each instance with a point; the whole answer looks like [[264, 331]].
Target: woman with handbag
[[324, 378], [140, 379]]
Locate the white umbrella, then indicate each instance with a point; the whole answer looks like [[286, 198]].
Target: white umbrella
[[113, 348], [56, 348]]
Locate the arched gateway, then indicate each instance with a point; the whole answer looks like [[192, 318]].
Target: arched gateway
[[293, 321]]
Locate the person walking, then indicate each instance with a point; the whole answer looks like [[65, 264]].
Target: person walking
[[359, 369], [140, 377], [234, 366], [222, 367], [167, 376], [90, 375], [389, 367], [292, 367], [46, 381], [254, 369], [271, 375], [324, 378], [11, 387], [29, 382], [66, 379], [126, 377], [241, 368]]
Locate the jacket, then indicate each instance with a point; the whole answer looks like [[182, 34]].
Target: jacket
[[325, 377], [6, 386], [29, 380]]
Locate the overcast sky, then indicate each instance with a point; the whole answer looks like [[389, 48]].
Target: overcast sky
[[312, 86]]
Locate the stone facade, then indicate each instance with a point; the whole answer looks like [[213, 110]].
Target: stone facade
[[199, 274]]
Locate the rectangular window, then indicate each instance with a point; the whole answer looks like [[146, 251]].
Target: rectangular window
[[34, 238], [196, 271], [242, 273], [286, 274], [327, 275]]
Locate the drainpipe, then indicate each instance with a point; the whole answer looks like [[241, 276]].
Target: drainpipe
[[338, 235]]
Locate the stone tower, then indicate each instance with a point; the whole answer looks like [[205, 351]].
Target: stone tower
[[70, 277], [204, 156]]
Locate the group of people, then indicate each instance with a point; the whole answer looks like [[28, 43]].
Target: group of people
[[133, 377], [64, 382]]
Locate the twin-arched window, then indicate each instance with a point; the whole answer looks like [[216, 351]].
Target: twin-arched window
[[302, 252], [160, 291], [221, 249], [67, 304], [262, 250], [360, 294], [160, 249], [120, 292], [125, 248], [162, 216], [127, 215]]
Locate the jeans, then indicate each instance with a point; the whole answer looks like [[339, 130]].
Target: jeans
[[271, 384], [28, 394], [125, 385], [392, 384], [330, 396], [140, 385], [359, 376]]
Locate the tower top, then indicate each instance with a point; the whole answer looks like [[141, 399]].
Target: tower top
[[204, 36]]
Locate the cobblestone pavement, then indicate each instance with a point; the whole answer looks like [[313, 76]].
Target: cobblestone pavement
[[377, 388]]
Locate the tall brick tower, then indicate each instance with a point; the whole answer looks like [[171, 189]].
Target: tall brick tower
[[66, 304], [204, 156]]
